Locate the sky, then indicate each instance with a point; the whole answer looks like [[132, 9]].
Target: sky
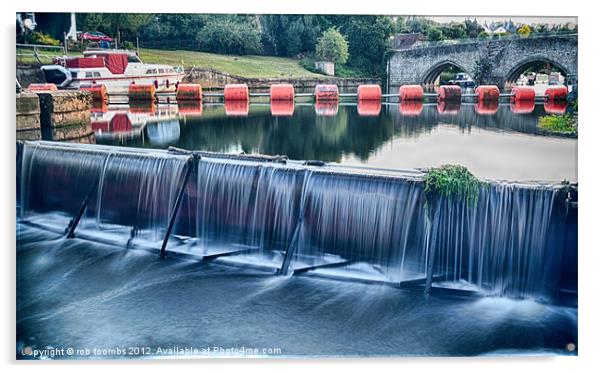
[[489, 19]]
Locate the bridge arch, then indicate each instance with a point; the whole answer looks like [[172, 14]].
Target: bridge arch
[[435, 70], [523, 65]]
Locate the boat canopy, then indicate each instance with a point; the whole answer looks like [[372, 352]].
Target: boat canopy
[[115, 62]]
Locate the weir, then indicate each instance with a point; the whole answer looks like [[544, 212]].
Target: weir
[[515, 240]]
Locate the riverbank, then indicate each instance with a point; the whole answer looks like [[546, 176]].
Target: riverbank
[[215, 70]]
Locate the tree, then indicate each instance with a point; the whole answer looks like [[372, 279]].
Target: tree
[[290, 35], [482, 71], [117, 23], [229, 37], [368, 38], [524, 31], [454, 31], [473, 29], [332, 46], [435, 34]]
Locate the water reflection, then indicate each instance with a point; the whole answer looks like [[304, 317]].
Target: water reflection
[[494, 141], [522, 107], [486, 107], [555, 107], [369, 107]]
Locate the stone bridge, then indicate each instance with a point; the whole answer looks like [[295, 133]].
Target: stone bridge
[[508, 59]]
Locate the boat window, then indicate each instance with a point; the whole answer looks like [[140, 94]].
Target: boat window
[[161, 71], [89, 74], [151, 71]]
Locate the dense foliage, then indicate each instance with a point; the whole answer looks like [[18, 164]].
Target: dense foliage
[[368, 37], [451, 182], [565, 124], [229, 37], [332, 46]]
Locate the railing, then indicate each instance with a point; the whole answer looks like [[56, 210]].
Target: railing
[[429, 44], [39, 53]]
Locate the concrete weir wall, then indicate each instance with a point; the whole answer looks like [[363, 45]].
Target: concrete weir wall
[[62, 115]]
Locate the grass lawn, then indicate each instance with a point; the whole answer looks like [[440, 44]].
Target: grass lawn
[[245, 66]]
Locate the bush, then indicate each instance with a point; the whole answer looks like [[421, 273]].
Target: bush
[[435, 34], [332, 46], [483, 35], [44, 39], [228, 37], [451, 181], [559, 124]]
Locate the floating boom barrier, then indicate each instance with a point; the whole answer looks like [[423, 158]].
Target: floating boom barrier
[[326, 92]]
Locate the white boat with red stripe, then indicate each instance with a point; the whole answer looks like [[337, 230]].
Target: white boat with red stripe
[[114, 68]]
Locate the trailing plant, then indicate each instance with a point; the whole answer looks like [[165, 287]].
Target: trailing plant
[[451, 182]]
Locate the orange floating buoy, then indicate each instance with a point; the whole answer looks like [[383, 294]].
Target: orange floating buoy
[[369, 108], [236, 92], [42, 87], [523, 94], [98, 92], [282, 108], [99, 107], [190, 107], [556, 93], [237, 108], [487, 93], [450, 107], [486, 107], [370, 92], [282, 92], [410, 107], [189, 92], [326, 92], [141, 92], [522, 106], [555, 106], [327, 108], [411, 93], [450, 93]]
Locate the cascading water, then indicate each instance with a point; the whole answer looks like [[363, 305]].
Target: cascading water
[[511, 242], [126, 188]]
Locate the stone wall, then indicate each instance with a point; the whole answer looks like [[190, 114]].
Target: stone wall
[[508, 58], [56, 115], [28, 111]]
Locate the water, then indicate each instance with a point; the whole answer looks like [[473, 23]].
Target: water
[[500, 143], [512, 242], [72, 293], [358, 245]]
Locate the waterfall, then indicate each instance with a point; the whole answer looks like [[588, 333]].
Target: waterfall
[[510, 242], [127, 188]]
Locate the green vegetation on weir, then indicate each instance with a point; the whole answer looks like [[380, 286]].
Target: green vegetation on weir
[[451, 182]]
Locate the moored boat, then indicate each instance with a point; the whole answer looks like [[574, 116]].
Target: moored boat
[[116, 69]]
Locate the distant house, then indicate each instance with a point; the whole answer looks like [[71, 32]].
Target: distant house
[[407, 41]]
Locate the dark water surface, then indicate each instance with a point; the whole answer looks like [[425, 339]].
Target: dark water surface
[[501, 142], [72, 293]]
